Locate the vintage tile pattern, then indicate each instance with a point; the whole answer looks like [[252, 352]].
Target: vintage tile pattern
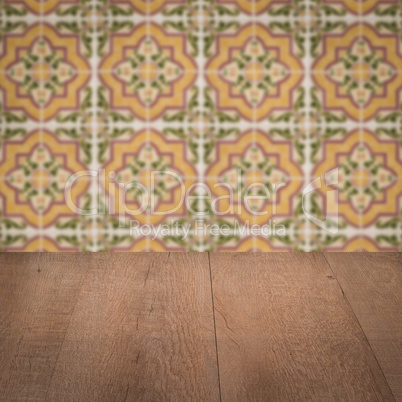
[[274, 91]]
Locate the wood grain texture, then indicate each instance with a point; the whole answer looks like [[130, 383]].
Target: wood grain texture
[[372, 283], [142, 330], [37, 299], [141, 327], [285, 332]]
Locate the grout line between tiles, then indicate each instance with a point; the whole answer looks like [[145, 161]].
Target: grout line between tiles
[[41, 124], [307, 165], [148, 119], [361, 111], [201, 125], [95, 129]]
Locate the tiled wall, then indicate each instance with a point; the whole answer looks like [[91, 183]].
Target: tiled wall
[[216, 91]]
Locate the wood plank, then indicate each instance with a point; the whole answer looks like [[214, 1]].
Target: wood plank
[[142, 330], [38, 293], [285, 332], [372, 283]]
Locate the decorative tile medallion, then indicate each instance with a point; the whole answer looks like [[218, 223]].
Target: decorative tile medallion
[[156, 166], [369, 186], [359, 72], [255, 158], [148, 71], [254, 72], [35, 171], [201, 125]]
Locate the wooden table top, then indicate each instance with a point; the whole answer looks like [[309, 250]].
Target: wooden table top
[[186, 326]]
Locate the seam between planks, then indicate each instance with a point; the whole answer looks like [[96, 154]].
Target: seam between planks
[[216, 338], [358, 323], [67, 328]]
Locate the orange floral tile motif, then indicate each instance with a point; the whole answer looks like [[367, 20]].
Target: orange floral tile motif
[[36, 171], [134, 161], [253, 6], [44, 72], [148, 6], [361, 6], [230, 92], [368, 177], [148, 71], [361, 244], [358, 72], [255, 159], [148, 245], [41, 6], [254, 72], [40, 244], [253, 244]]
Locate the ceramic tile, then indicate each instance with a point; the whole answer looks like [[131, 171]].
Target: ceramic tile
[[301, 95]]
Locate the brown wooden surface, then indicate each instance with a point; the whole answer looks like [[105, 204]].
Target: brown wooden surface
[[37, 297], [372, 284], [116, 327], [285, 332], [143, 329]]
